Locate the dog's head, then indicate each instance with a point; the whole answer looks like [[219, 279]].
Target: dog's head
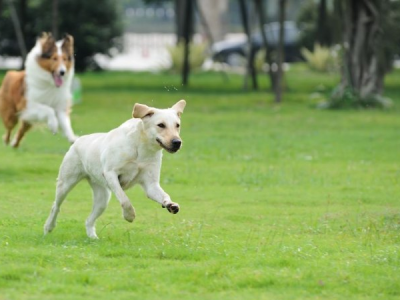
[[162, 126], [56, 57]]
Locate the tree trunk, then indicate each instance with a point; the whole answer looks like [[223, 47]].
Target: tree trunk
[[250, 70], [268, 57], [18, 30], [362, 72], [187, 34], [55, 19], [323, 34], [23, 8], [203, 21], [337, 18], [180, 19], [213, 16], [281, 52]]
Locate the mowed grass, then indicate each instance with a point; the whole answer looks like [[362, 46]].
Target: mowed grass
[[277, 201]]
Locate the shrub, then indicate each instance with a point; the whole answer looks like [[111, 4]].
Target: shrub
[[259, 61], [196, 57], [322, 59], [350, 99]]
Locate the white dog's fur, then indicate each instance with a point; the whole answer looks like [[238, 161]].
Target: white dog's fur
[[115, 161], [46, 102]]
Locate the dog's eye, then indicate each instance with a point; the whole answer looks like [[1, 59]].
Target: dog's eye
[[177, 125], [46, 55], [161, 125]]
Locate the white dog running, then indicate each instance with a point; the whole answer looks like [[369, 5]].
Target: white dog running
[[115, 161]]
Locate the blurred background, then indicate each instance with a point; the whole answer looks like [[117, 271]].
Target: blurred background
[[136, 34], [247, 37]]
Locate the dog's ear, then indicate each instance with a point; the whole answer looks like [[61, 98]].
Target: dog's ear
[[179, 107], [45, 35], [68, 39], [68, 46], [141, 111], [48, 44]]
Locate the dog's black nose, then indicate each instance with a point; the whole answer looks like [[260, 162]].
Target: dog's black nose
[[176, 143], [62, 72]]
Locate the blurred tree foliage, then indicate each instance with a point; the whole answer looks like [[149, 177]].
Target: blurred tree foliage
[[94, 24], [312, 31]]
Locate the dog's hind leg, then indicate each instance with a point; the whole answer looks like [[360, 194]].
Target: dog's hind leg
[[25, 126], [6, 136], [70, 174], [101, 197], [9, 120]]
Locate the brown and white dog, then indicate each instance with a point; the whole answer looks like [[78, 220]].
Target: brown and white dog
[[42, 92]]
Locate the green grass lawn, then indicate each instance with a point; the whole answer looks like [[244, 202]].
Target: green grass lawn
[[277, 201]]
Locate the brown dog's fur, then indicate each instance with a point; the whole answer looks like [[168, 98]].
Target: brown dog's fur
[[12, 101]]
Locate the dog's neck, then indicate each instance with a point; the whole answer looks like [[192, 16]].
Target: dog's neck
[[148, 148]]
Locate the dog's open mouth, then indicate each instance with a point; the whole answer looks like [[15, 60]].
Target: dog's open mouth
[[58, 80], [170, 150]]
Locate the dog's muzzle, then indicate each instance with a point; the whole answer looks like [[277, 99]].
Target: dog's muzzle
[[175, 145]]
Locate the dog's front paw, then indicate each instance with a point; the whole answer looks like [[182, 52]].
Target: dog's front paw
[[48, 228], [172, 207], [52, 123], [129, 213]]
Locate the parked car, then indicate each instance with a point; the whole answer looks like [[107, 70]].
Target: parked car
[[232, 51]]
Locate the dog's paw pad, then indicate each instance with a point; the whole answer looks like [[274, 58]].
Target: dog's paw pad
[[173, 208]]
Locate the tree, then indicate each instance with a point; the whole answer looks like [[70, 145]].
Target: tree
[[18, 26], [268, 53], [187, 13], [319, 23], [370, 38], [323, 34], [250, 69], [94, 24], [184, 26], [281, 53]]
